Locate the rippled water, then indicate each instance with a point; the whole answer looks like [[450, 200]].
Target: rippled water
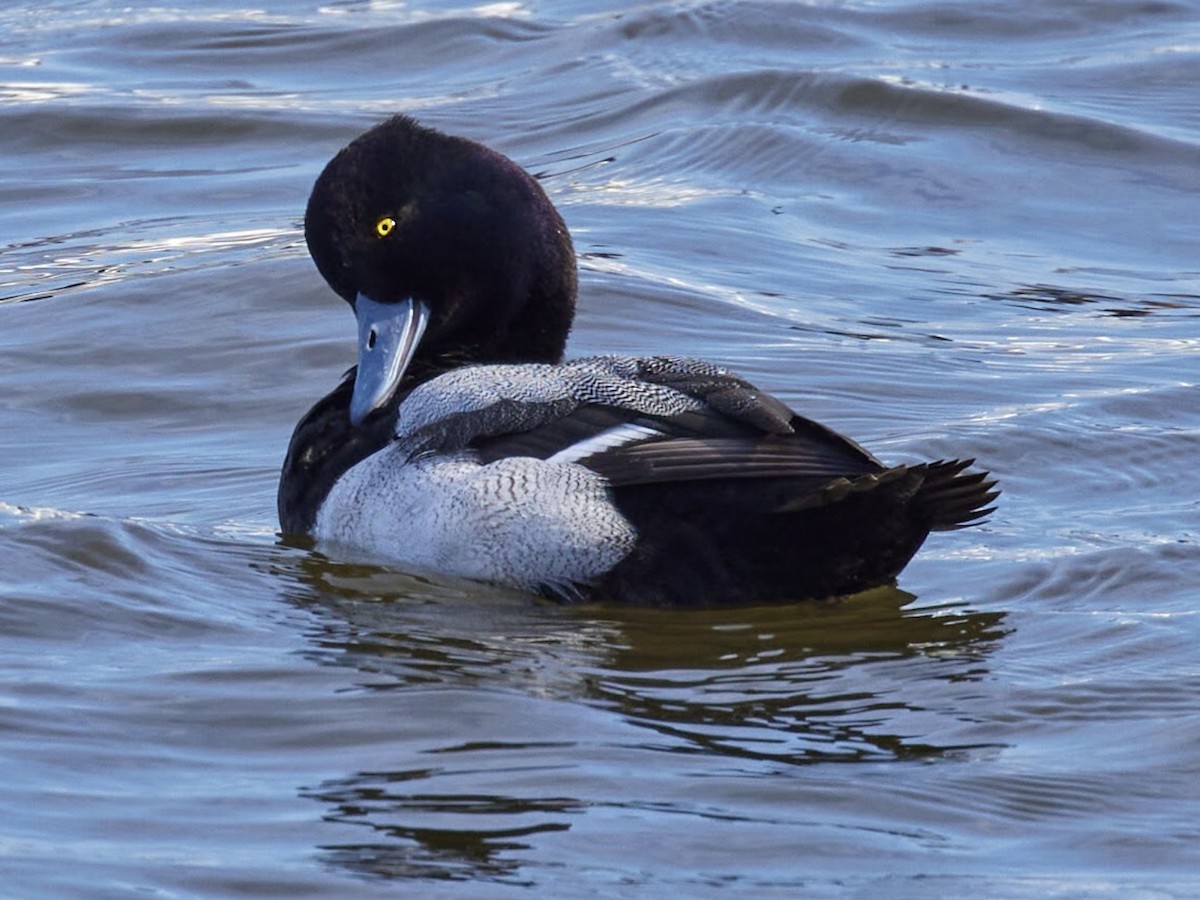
[[943, 228]]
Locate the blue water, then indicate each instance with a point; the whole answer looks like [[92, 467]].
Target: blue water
[[946, 229]]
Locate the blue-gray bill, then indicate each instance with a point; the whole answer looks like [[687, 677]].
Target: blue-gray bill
[[388, 335]]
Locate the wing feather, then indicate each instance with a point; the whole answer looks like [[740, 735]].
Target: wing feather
[[633, 449]]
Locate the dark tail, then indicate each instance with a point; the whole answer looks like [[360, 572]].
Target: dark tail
[[950, 497]]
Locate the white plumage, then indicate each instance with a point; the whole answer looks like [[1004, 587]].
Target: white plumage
[[617, 436], [515, 521]]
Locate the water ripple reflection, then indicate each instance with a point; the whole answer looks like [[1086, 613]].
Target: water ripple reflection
[[873, 679]]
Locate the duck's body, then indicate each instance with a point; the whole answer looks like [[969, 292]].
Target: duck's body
[[463, 445]]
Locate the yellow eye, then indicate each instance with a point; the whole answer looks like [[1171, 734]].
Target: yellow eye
[[385, 226]]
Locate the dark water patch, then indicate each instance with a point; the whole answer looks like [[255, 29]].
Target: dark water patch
[[277, 44], [1118, 573], [909, 104], [756, 25], [1080, 702], [171, 162], [1049, 297], [924, 251], [1015, 20], [151, 137], [61, 562], [481, 836]]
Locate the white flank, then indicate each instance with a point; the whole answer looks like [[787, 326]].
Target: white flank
[[518, 521]]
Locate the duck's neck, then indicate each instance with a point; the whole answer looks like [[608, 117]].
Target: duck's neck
[[323, 446], [535, 334]]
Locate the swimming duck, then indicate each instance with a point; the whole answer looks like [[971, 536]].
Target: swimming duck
[[462, 443]]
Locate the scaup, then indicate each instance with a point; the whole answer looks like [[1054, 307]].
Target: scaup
[[462, 444]]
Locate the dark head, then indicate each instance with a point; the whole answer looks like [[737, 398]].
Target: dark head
[[449, 253]]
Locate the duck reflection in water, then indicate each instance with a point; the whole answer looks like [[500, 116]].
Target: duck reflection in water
[[508, 699]]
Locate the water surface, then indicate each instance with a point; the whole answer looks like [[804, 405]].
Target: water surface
[[944, 228]]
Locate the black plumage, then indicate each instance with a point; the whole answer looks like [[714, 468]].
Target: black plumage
[[734, 498]]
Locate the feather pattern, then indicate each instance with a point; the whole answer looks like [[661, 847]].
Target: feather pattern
[[504, 472], [514, 521]]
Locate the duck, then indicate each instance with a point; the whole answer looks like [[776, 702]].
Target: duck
[[462, 444]]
